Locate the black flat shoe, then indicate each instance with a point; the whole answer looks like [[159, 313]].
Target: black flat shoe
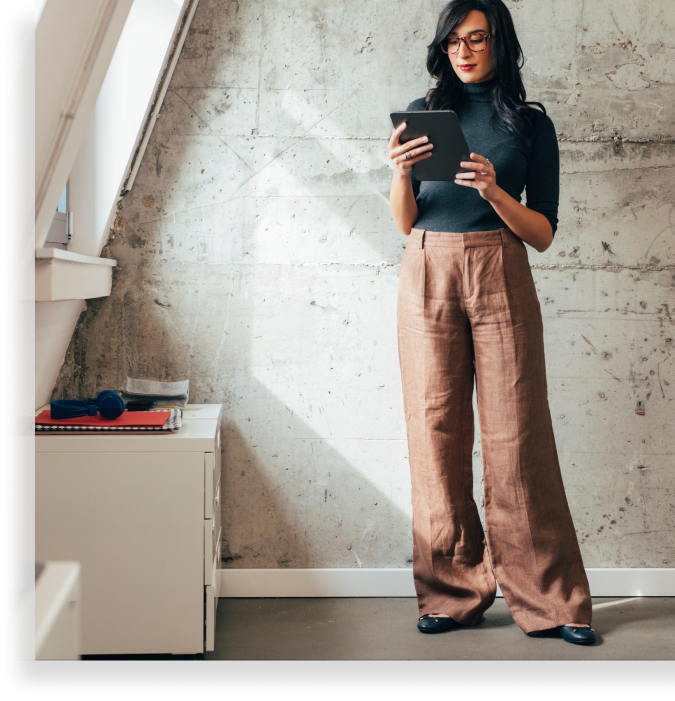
[[433, 624], [579, 635]]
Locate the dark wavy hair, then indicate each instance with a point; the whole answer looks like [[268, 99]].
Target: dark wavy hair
[[508, 93]]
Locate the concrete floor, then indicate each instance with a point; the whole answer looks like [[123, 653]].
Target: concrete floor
[[385, 629]]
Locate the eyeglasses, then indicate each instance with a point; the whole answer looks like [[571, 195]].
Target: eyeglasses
[[475, 42]]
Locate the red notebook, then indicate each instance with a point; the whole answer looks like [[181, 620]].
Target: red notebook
[[129, 418]]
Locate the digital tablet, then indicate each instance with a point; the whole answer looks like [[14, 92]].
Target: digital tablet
[[444, 132]]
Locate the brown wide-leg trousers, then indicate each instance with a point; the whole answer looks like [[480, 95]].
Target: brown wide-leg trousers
[[467, 304]]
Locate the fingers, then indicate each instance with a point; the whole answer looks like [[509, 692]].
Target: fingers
[[478, 167], [472, 179], [408, 146], [481, 175], [406, 165], [415, 153], [415, 159], [402, 148], [396, 132]]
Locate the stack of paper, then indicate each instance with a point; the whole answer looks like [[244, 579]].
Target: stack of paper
[[164, 393]]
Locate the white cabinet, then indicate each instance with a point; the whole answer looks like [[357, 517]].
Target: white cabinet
[[57, 611], [139, 514]]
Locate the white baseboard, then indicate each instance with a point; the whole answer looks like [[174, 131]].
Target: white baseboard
[[389, 582]]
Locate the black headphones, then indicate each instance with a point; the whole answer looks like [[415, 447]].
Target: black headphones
[[109, 403]]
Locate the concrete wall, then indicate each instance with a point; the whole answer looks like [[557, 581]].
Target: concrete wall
[[257, 257]]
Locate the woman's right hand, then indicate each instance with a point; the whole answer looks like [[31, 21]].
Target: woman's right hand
[[418, 149]]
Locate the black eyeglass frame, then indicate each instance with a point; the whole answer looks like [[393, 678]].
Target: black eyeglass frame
[[466, 43]]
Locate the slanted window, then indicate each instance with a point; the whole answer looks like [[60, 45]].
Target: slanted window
[[61, 229], [63, 201]]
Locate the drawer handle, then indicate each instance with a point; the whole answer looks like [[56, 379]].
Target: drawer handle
[[213, 528]]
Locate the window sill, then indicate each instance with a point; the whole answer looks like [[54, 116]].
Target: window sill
[[61, 275]]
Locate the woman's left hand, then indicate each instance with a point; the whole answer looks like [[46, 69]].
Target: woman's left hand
[[482, 176]]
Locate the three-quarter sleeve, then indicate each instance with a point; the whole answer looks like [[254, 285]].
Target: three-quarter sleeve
[[542, 187]]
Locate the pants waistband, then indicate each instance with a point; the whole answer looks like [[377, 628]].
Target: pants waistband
[[472, 239]]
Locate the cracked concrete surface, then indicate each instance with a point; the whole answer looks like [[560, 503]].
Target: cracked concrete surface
[[257, 256]]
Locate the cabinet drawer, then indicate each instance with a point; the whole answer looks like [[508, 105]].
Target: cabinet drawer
[[209, 549], [216, 568], [210, 603], [216, 500], [210, 579], [211, 477], [216, 509], [211, 480]]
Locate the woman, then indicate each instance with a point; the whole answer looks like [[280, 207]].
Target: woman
[[467, 305]]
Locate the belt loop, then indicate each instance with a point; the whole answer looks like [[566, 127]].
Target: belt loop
[[505, 240], [422, 238]]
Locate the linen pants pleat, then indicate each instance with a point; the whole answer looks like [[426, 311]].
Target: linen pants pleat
[[467, 304]]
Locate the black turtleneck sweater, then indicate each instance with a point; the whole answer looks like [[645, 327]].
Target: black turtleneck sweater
[[520, 166]]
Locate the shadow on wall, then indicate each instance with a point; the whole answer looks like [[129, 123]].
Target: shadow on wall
[[291, 499]]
